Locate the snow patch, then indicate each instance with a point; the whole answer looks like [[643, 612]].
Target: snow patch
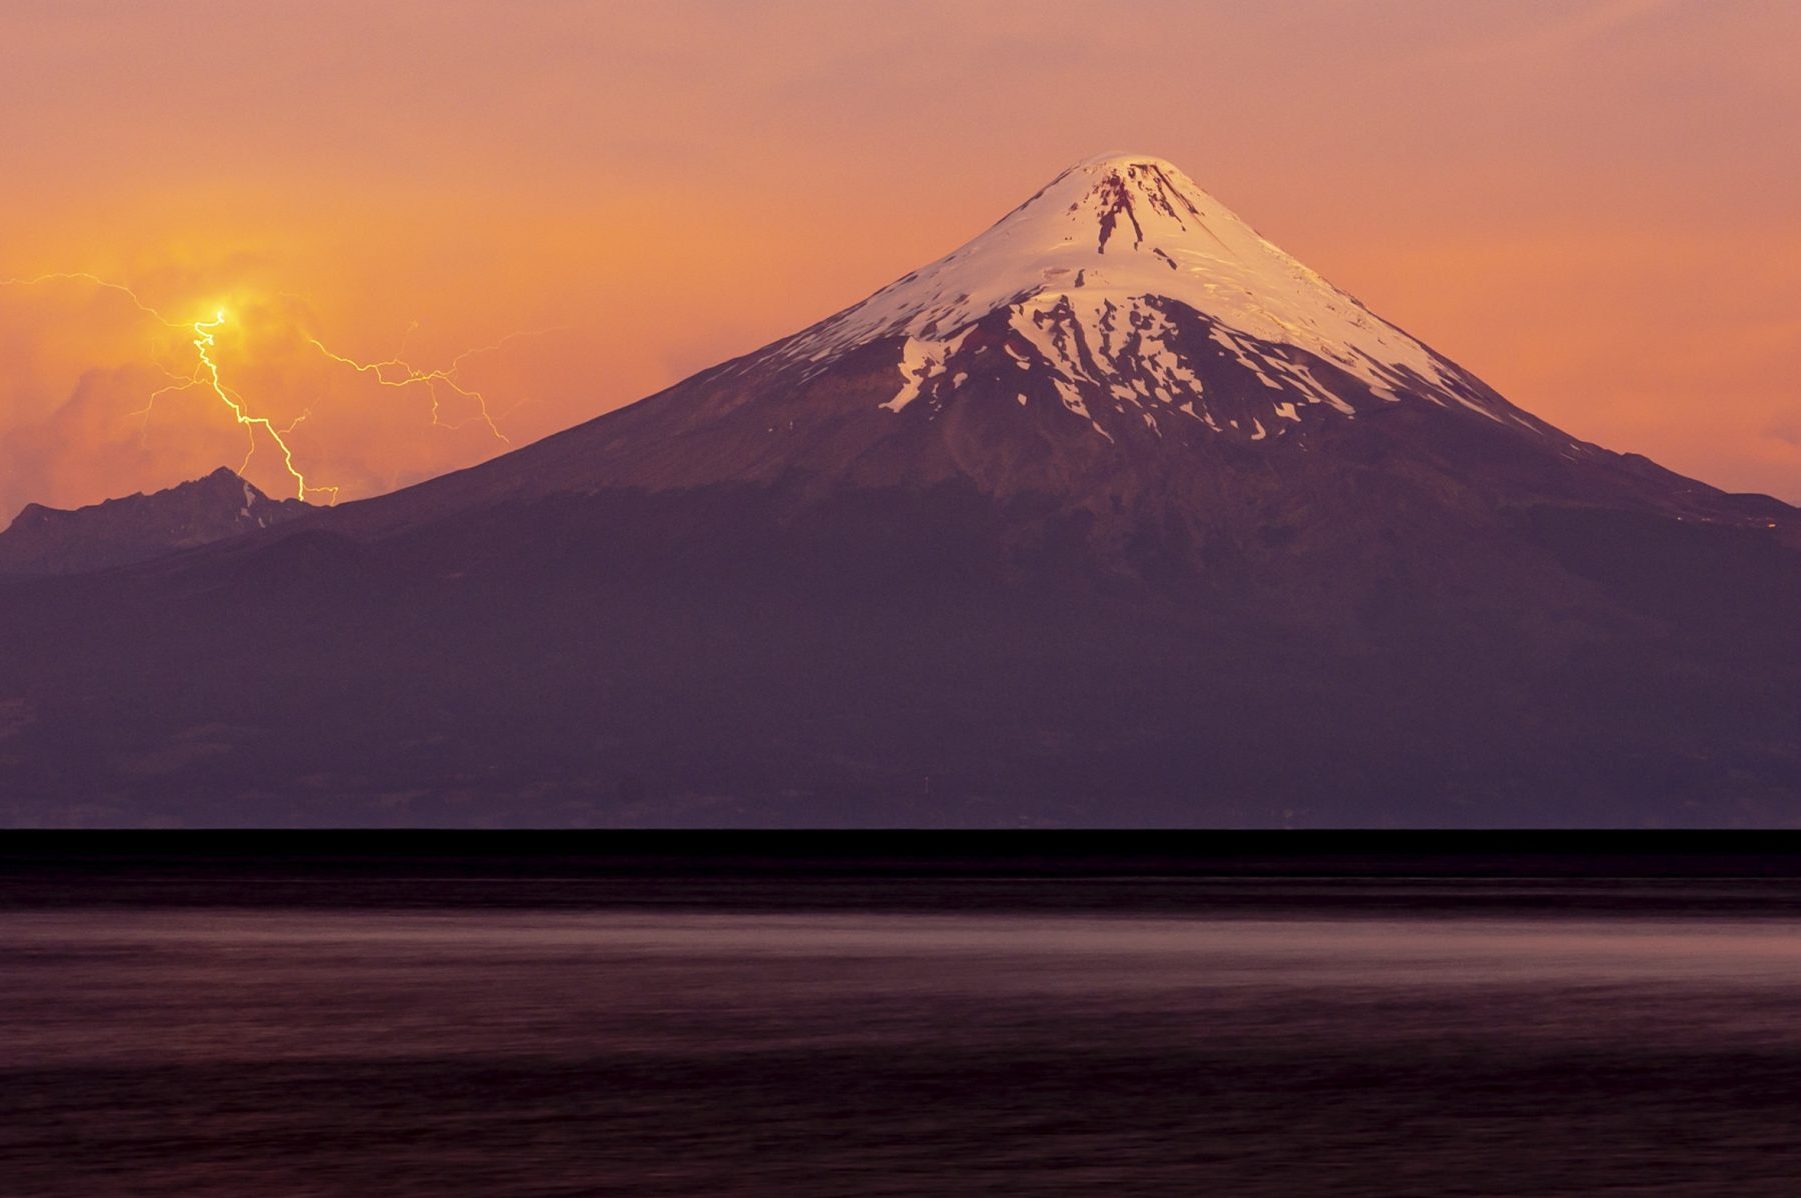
[[921, 362], [1161, 239]]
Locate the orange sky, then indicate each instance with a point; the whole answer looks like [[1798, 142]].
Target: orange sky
[[1596, 207]]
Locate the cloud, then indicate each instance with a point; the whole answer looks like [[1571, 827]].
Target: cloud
[[148, 416]]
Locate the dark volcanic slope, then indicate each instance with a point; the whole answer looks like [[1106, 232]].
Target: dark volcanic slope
[[1115, 515], [43, 540]]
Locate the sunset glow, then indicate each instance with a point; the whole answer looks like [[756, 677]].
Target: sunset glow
[[372, 244]]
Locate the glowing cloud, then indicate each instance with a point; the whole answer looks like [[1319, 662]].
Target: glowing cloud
[[206, 373]]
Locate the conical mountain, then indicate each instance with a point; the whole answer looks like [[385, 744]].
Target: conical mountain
[[1120, 331], [1115, 515]]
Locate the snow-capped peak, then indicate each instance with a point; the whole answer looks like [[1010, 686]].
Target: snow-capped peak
[[1097, 270]]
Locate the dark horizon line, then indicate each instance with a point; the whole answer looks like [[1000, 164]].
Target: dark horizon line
[[905, 852]]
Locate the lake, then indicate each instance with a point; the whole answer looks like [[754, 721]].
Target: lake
[[896, 1037]]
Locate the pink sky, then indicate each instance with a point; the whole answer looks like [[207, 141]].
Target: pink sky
[[1596, 207]]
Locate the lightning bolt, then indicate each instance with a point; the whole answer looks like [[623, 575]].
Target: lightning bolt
[[395, 373], [96, 280], [205, 374], [177, 384], [203, 346]]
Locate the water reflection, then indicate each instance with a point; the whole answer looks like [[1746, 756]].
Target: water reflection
[[484, 1051]]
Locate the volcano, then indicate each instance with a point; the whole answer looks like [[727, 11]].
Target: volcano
[[1120, 338], [1116, 515]]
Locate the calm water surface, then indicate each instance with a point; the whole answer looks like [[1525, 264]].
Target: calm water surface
[[269, 1052]]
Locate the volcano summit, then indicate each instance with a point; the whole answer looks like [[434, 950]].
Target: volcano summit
[[1115, 515]]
